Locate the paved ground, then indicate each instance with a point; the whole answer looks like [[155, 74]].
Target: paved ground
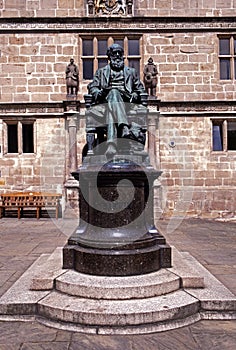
[[212, 243]]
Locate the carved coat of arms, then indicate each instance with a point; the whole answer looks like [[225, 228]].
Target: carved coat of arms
[[110, 7]]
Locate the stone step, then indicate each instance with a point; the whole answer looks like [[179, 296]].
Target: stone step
[[131, 287], [43, 279], [118, 313], [75, 283]]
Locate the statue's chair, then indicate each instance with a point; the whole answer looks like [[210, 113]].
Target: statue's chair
[[96, 129]]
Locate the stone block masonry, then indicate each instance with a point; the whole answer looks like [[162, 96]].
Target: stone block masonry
[[43, 170], [32, 67], [153, 8], [195, 179], [188, 66]]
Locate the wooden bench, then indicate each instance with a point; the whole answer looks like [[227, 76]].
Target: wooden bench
[[21, 200]]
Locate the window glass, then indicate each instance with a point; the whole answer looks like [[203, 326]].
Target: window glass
[[133, 46], [234, 46], [225, 68], [88, 68], [87, 47], [231, 135], [225, 46], [28, 138], [134, 63], [102, 47], [102, 62], [217, 137], [119, 42], [12, 138]]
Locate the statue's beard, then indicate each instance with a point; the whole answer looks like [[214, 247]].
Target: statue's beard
[[117, 63]]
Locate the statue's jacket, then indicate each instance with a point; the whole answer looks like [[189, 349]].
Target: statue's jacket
[[101, 80]]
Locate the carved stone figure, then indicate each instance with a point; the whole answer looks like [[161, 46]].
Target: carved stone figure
[[72, 78], [115, 90], [150, 77], [110, 7]]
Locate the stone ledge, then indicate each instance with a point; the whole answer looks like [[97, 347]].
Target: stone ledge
[[185, 269], [43, 278]]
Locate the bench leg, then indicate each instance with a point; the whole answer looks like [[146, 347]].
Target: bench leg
[[1, 212], [18, 212], [57, 212], [38, 213]]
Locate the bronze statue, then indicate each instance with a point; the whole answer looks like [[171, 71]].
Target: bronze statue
[[72, 78], [115, 88], [150, 77]]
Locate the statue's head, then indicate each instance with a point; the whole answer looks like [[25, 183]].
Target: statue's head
[[150, 60], [72, 61], [115, 55]]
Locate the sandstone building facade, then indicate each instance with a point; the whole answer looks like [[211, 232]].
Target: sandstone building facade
[[192, 124]]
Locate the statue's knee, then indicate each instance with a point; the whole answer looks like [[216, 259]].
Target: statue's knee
[[114, 96]]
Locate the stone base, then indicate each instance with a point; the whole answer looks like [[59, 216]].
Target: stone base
[[118, 262], [162, 300], [116, 235]]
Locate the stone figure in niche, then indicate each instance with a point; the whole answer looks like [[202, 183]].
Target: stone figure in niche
[[72, 78], [115, 90], [150, 77]]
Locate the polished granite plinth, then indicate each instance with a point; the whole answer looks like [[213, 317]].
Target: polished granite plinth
[[116, 235]]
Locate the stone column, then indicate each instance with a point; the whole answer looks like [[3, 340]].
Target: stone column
[[72, 185], [154, 153]]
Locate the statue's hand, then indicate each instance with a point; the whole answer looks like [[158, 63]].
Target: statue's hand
[[98, 95], [134, 97]]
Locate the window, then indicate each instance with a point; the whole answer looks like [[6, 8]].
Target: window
[[227, 57], [28, 138], [20, 137], [224, 135], [94, 53], [12, 138]]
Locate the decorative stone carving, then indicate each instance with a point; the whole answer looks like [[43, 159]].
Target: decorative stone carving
[[72, 78], [150, 77], [110, 7]]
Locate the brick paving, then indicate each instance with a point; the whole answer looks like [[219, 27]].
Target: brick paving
[[213, 243]]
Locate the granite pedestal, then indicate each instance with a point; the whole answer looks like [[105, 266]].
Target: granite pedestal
[[116, 235]]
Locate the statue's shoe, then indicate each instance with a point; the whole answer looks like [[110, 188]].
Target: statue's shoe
[[125, 132], [111, 151]]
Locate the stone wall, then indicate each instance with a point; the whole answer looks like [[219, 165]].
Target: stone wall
[[188, 8], [42, 8], [45, 170], [32, 66], [154, 8], [33, 59], [195, 180], [188, 67]]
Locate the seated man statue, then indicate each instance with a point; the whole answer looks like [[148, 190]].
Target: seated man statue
[[115, 89]]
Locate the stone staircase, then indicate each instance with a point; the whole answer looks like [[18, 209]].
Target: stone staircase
[[166, 299]]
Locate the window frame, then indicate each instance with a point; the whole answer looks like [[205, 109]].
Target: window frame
[[231, 56], [223, 122], [110, 40]]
